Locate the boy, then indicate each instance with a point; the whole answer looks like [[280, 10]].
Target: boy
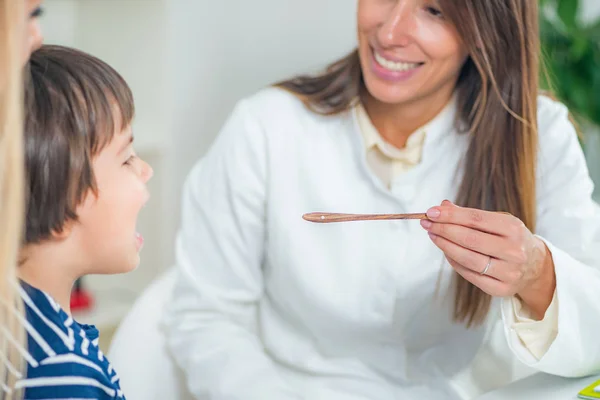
[[85, 186]]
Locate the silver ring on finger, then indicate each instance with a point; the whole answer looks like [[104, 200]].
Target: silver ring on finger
[[487, 267]]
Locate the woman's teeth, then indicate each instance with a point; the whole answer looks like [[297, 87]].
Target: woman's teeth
[[394, 66]]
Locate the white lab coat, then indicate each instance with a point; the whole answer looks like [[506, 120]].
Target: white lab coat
[[269, 306]]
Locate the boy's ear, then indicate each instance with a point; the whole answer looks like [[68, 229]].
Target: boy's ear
[[64, 233]]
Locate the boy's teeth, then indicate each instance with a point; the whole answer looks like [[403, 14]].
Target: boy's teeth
[[394, 66]]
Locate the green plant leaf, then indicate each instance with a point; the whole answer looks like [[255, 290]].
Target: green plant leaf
[[579, 47], [592, 31], [571, 55], [567, 12]]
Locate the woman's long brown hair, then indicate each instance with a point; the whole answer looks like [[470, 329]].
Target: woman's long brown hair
[[497, 101]]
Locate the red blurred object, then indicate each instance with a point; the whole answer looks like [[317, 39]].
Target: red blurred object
[[81, 299]]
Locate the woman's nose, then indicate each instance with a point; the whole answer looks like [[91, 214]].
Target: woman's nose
[[398, 27]]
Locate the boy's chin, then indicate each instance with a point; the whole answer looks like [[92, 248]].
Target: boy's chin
[[121, 267], [133, 264]]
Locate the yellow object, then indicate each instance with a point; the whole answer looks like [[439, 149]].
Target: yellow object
[[591, 392]]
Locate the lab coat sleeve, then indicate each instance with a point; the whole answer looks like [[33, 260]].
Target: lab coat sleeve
[[569, 224], [211, 321]]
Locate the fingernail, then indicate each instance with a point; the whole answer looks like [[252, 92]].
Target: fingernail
[[425, 223], [433, 213], [432, 236], [447, 203]]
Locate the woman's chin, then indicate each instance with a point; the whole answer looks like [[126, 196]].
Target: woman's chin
[[386, 92], [387, 95]]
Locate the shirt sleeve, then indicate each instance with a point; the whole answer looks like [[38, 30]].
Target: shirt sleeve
[[536, 335], [68, 376]]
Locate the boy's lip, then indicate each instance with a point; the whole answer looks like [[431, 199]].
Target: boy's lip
[[139, 241]]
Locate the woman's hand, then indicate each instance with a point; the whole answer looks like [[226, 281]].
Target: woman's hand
[[496, 252]]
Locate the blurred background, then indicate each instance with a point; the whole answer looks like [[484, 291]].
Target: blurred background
[[189, 61]]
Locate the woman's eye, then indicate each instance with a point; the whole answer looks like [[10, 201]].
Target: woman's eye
[[434, 11], [38, 12]]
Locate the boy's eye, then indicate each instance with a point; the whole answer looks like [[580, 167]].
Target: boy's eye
[[130, 160]]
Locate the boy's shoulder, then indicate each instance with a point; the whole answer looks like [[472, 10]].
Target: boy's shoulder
[[62, 355], [50, 330]]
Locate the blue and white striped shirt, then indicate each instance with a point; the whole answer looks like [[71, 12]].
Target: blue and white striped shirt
[[63, 358]]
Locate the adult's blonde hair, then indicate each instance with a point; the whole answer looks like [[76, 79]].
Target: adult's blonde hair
[[12, 335]]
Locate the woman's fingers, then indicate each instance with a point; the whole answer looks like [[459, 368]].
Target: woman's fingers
[[496, 223], [472, 260], [491, 286], [472, 239]]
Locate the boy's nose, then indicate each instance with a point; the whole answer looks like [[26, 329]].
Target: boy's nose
[[147, 172]]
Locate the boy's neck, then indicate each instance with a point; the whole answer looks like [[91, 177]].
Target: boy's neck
[[49, 267]]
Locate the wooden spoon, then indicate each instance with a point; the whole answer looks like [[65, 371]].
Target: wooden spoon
[[324, 218]]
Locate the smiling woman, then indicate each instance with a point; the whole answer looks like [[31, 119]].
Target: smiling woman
[[439, 101], [411, 60], [396, 72]]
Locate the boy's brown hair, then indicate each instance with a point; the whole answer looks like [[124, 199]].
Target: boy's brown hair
[[74, 103]]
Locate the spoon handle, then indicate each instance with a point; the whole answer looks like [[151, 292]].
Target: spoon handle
[[320, 217]]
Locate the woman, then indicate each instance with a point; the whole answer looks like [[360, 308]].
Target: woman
[[440, 101], [18, 37]]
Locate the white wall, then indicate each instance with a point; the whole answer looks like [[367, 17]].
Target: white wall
[[224, 50], [130, 35], [590, 10], [58, 23]]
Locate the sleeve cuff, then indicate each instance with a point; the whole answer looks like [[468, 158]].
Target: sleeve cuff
[[535, 336]]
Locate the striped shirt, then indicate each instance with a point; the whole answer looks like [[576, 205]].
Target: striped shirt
[[63, 358]]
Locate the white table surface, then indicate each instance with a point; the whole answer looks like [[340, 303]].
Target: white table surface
[[541, 386]]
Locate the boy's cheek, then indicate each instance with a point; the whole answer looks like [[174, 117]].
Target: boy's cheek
[[140, 195], [119, 204]]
